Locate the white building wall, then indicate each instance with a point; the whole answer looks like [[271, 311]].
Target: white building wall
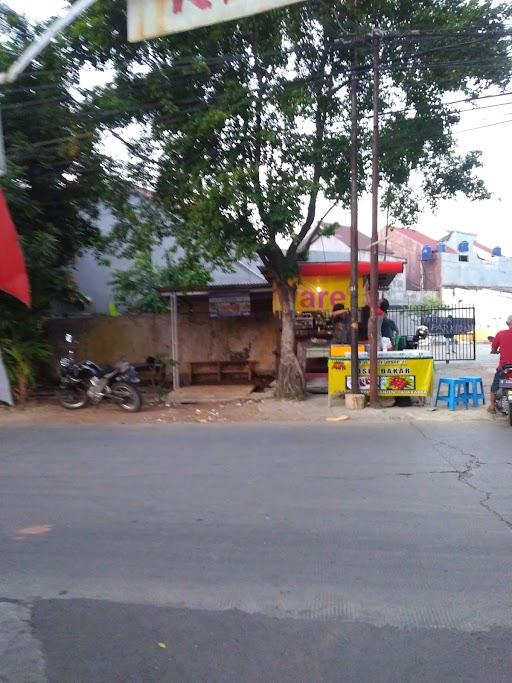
[[475, 272], [332, 245], [457, 236]]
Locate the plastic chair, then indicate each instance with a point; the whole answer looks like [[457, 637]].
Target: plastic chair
[[474, 390], [456, 392]]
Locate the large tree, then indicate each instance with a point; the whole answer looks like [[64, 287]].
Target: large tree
[[245, 126], [54, 179], [55, 175]]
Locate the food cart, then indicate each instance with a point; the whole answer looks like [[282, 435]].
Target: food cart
[[320, 287], [400, 373]]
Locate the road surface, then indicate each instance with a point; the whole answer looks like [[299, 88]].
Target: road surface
[[256, 553]]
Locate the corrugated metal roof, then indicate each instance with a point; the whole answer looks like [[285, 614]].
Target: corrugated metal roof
[[242, 273]]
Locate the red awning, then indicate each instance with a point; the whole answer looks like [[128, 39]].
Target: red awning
[[343, 268]]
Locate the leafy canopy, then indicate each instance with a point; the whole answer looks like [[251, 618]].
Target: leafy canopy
[[245, 125]]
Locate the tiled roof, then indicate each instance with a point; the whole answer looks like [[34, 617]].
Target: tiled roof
[[343, 234], [423, 239], [481, 246]]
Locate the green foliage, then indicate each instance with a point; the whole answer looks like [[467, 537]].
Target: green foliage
[[55, 177], [246, 124], [137, 289], [250, 119], [427, 304], [21, 357]]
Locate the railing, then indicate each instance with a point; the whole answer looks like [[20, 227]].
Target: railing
[[448, 333]]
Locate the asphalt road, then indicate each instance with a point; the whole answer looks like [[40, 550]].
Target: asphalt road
[[256, 553]]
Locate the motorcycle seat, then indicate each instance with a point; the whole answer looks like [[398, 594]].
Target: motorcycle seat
[[105, 370]]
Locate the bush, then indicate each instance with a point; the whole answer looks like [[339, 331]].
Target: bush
[[22, 359]]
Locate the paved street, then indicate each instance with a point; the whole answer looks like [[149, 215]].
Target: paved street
[[269, 553]]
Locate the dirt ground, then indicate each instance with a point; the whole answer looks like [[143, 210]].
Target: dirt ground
[[257, 409]]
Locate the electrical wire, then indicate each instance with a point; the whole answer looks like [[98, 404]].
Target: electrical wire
[[487, 125]]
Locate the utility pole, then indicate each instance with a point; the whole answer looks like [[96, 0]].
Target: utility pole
[[374, 249], [354, 238]]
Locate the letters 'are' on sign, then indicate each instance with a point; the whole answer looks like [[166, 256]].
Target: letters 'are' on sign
[[153, 18]]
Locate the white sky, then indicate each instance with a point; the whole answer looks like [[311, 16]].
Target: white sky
[[491, 219]]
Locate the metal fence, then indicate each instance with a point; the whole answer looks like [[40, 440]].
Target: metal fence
[[449, 333]]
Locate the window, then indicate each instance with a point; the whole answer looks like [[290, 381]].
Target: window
[[463, 258]]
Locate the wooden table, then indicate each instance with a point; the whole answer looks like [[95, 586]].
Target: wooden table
[[221, 369]]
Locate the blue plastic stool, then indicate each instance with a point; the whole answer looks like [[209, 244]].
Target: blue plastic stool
[[456, 392], [474, 389]]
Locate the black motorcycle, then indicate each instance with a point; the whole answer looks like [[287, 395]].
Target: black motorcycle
[[87, 382]]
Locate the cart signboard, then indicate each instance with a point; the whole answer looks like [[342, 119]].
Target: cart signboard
[[153, 18], [396, 376]]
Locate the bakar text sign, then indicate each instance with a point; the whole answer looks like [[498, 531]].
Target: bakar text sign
[[153, 18]]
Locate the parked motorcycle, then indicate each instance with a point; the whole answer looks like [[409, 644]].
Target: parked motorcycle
[[504, 393], [87, 382]]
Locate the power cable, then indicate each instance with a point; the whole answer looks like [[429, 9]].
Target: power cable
[[487, 125]]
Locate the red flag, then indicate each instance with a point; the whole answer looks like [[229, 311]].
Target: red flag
[[13, 274]]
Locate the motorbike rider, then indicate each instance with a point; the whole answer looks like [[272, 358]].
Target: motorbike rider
[[502, 344]]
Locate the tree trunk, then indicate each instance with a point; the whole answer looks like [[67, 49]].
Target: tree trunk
[[291, 382]]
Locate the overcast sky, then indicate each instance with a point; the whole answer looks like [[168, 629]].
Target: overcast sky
[[491, 219]]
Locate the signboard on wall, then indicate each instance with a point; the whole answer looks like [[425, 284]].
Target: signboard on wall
[[230, 305], [321, 293], [153, 18], [448, 324]]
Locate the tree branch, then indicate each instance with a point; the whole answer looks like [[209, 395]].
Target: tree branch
[[314, 233], [257, 133], [320, 124]]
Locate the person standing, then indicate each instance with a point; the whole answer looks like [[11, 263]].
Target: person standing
[[450, 333], [388, 327], [502, 344], [340, 324], [365, 317]]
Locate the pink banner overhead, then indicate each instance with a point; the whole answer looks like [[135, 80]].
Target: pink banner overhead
[[153, 18]]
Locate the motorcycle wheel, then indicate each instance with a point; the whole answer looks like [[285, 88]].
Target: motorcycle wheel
[[127, 397], [72, 397]]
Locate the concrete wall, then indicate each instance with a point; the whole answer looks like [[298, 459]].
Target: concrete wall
[[491, 308], [104, 339], [204, 338], [476, 272]]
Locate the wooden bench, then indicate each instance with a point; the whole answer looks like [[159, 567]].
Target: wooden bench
[[221, 369]]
